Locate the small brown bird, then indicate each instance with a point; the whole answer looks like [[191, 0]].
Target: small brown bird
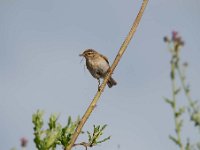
[[98, 65]]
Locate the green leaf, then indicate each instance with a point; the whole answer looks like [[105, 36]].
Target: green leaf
[[187, 89], [172, 75], [37, 120], [93, 138], [196, 118], [89, 136], [52, 121], [179, 126], [103, 127], [180, 112], [188, 146], [177, 91], [69, 120], [174, 140], [172, 104], [108, 138]]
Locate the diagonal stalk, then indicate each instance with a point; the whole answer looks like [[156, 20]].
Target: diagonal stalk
[[113, 66]]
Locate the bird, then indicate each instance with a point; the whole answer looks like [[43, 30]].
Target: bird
[[98, 66]]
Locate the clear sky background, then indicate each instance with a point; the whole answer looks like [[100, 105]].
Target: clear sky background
[[40, 68]]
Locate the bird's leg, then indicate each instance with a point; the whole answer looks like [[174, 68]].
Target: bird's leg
[[99, 84]]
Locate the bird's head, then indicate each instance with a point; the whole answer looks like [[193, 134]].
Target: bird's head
[[88, 53]]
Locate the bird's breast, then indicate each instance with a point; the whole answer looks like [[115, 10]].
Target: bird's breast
[[97, 66]]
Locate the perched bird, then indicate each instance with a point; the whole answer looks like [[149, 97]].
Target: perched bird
[[98, 65]]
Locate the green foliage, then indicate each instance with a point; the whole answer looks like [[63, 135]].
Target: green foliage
[[175, 140], [196, 118], [180, 111], [93, 139], [55, 134], [171, 102], [174, 45]]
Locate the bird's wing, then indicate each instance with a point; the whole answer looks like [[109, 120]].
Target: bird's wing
[[106, 59]]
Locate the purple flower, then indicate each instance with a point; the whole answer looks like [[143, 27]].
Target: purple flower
[[174, 35], [24, 142], [177, 39]]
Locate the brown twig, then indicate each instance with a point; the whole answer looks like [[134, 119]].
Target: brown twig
[[86, 145], [113, 66]]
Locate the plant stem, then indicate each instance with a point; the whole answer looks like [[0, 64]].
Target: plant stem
[[116, 61], [187, 94], [176, 119]]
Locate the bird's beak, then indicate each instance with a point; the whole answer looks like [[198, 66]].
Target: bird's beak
[[81, 54]]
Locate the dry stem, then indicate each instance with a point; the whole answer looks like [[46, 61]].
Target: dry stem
[[101, 88]]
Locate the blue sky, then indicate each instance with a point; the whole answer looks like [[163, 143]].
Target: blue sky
[[40, 68]]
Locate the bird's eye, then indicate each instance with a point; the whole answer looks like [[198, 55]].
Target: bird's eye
[[90, 53]]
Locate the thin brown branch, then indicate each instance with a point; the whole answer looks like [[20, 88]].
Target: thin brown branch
[[113, 66], [86, 145]]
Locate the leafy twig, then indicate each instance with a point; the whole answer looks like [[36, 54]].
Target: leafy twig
[[174, 45], [93, 139]]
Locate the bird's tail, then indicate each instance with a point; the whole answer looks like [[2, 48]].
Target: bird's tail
[[111, 82]]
